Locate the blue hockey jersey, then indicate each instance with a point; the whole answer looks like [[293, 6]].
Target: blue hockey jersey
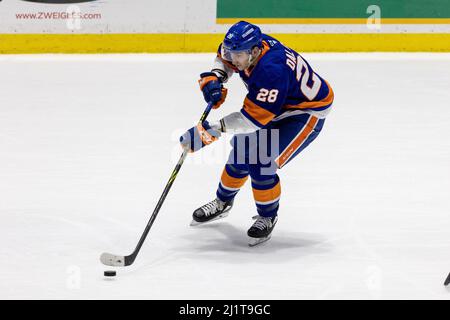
[[281, 84]]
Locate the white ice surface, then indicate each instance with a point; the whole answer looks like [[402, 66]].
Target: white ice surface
[[88, 143]]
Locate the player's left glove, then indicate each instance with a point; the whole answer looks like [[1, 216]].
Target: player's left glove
[[199, 136], [212, 88]]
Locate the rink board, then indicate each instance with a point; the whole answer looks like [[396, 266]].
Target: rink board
[[161, 43]]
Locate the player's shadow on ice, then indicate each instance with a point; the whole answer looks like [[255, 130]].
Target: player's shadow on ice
[[204, 241]]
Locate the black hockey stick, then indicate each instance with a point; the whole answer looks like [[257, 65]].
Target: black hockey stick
[[122, 261]]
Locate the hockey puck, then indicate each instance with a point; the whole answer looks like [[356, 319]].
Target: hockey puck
[[447, 281], [110, 273]]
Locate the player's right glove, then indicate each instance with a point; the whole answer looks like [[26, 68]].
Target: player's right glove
[[212, 88], [199, 136]]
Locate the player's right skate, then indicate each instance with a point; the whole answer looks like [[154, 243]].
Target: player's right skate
[[261, 230], [211, 211]]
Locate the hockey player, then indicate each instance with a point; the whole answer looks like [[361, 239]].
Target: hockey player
[[282, 113]]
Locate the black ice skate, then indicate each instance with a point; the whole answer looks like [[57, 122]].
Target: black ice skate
[[211, 211], [261, 230]]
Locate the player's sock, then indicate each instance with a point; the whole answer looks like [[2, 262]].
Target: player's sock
[[232, 179], [266, 192]]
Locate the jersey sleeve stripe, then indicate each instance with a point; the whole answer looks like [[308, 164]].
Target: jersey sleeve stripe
[[249, 117], [257, 113]]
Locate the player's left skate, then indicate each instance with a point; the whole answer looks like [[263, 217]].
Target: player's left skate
[[261, 230]]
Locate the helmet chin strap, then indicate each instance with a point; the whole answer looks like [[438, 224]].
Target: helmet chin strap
[[251, 60]]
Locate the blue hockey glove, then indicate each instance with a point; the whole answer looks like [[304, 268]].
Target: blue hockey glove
[[199, 136], [212, 89]]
